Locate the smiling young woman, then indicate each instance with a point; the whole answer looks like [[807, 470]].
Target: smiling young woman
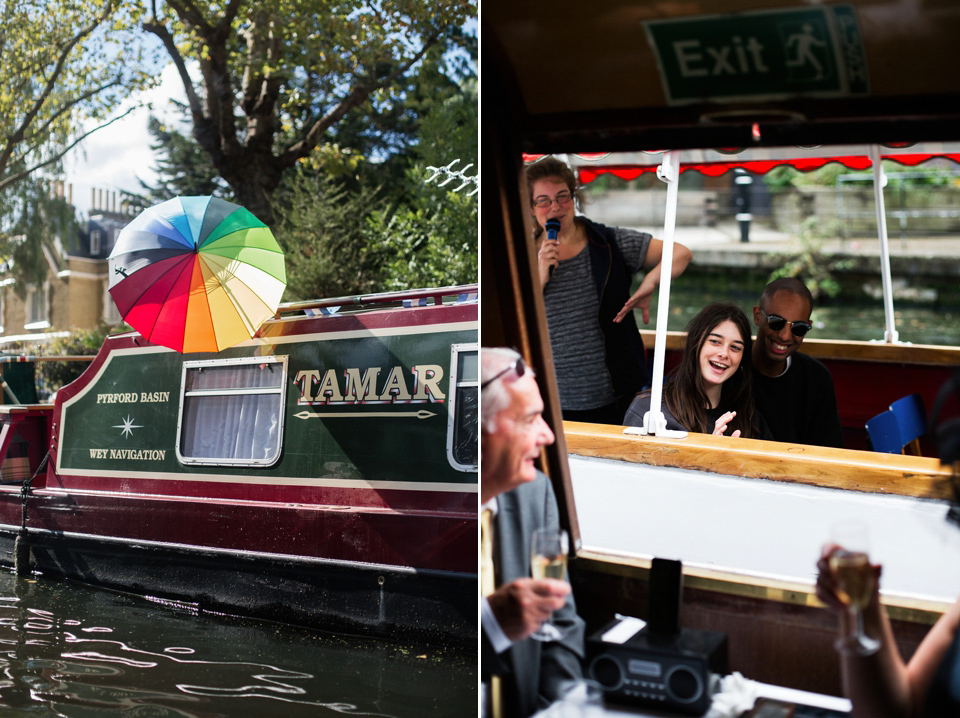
[[709, 391]]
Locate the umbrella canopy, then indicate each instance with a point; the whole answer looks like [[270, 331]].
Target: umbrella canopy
[[196, 274]]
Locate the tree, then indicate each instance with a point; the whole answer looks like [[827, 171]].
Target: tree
[[323, 231], [433, 237], [182, 167], [37, 225], [277, 75], [62, 72], [350, 226]]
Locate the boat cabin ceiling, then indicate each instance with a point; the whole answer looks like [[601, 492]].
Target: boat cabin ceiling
[[727, 75], [627, 75]]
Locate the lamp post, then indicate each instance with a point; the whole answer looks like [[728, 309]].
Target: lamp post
[[742, 203]]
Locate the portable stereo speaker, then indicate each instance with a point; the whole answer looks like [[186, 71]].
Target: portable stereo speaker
[[676, 673], [663, 665]]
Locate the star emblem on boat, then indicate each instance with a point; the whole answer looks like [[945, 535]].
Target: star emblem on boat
[[127, 427]]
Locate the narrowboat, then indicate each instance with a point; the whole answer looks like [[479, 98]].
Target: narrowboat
[[740, 514], [323, 473]]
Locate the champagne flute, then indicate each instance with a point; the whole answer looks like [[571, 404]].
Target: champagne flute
[[850, 565], [548, 559]]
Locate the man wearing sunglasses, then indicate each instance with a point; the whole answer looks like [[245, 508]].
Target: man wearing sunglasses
[[793, 391]]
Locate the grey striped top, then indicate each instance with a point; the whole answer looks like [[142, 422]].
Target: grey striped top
[[572, 305]]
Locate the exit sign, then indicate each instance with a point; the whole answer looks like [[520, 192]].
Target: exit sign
[[760, 55]]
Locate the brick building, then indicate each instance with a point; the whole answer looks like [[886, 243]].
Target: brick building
[[74, 294]]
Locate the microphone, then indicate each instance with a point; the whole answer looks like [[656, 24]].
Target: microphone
[[553, 229]]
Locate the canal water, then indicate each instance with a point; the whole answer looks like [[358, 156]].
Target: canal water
[[832, 319], [79, 652]]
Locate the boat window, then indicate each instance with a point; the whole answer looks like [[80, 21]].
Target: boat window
[[231, 411], [464, 411]]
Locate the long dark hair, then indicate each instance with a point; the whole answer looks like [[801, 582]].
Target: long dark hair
[[685, 392]]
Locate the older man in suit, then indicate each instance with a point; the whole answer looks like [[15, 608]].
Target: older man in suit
[[529, 672]]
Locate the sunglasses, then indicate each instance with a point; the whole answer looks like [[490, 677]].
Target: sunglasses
[[776, 323], [516, 365]]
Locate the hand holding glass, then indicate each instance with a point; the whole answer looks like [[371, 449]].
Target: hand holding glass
[[855, 578], [548, 559]]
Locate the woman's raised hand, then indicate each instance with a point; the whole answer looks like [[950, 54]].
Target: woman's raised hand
[[827, 587], [639, 300], [720, 426]]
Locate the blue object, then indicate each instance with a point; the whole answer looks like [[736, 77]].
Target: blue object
[[911, 416], [885, 433]]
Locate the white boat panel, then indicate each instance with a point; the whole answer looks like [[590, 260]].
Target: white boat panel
[[758, 527]]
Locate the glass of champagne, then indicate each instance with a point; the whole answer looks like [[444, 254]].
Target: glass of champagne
[[548, 559], [855, 577]]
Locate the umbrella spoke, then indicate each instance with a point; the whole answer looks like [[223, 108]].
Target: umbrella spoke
[[170, 325], [226, 287], [199, 333], [156, 300], [265, 261], [134, 289]]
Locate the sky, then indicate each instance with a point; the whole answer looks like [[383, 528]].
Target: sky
[[114, 157]]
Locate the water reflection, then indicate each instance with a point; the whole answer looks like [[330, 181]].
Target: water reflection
[[853, 322], [68, 650]]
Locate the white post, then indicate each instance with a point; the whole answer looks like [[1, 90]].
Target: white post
[[653, 421], [879, 181]]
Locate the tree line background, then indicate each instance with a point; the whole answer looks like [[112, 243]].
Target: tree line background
[[319, 116]]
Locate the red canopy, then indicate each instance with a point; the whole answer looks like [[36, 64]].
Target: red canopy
[[714, 163]]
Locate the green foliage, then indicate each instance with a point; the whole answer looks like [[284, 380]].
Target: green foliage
[[279, 78], [432, 241], [64, 67], [86, 342], [810, 264], [431, 244], [33, 221], [780, 178], [350, 226], [322, 233]]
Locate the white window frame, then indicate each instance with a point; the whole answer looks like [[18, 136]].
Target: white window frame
[[29, 306], [454, 393], [280, 389], [96, 241]]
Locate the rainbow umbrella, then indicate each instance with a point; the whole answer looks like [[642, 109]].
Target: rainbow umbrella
[[196, 274]]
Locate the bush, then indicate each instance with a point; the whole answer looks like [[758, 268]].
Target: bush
[[51, 375]]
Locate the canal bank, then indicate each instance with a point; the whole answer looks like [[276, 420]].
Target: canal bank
[[924, 270]]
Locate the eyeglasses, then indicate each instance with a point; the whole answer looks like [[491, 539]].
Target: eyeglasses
[[516, 365], [562, 199], [776, 323]]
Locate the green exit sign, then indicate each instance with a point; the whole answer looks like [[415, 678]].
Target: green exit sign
[[760, 55]]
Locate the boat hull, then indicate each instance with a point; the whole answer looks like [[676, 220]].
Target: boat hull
[[434, 607], [321, 474]]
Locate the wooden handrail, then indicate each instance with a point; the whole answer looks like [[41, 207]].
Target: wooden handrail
[[867, 471]]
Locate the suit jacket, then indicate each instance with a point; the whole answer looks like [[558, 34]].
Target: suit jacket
[[531, 671]]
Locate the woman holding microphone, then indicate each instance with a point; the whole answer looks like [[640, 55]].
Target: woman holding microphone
[[586, 273]]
